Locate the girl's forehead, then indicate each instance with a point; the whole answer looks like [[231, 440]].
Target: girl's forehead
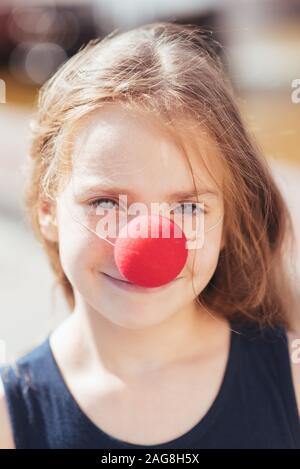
[[116, 145]]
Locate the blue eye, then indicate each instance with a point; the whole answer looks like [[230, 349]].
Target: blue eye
[[97, 202], [190, 208]]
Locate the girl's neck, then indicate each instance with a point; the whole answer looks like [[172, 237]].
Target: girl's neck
[[92, 339]]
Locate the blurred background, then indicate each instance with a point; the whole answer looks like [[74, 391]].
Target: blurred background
[[261, 49]]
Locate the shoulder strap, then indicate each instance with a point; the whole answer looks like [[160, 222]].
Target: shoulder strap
[[269, 345], [17, 409], [26, 391]]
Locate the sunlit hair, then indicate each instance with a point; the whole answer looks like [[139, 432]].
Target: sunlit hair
[[174, 72]]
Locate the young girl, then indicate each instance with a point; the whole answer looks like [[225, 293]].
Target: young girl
[[206, 359]]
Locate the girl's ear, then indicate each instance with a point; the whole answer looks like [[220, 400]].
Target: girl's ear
[[47, 220]]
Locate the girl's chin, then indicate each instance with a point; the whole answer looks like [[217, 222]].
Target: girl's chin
[[131, 287]]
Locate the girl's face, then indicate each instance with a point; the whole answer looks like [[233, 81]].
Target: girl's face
[[117, 151]]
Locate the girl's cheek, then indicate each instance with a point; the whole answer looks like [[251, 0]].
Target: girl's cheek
[[81, 250], [75, 236], [202, 263]]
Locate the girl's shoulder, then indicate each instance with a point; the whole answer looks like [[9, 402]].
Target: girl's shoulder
[[18, 379], [31, 367], [293, 340], [277, 348], [6, 433]]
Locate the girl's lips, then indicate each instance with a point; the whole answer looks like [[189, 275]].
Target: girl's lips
[[131, 286]]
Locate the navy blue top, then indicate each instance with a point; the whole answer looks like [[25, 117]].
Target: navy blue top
[[255, 406]]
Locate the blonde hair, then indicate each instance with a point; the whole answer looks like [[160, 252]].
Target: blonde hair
[[174, 72]]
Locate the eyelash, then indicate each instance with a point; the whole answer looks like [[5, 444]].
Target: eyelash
[[95, 203]]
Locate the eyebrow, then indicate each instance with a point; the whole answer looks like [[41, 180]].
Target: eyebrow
[[116, 191]]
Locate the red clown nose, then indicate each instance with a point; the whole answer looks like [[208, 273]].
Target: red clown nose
[[147, 252]]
